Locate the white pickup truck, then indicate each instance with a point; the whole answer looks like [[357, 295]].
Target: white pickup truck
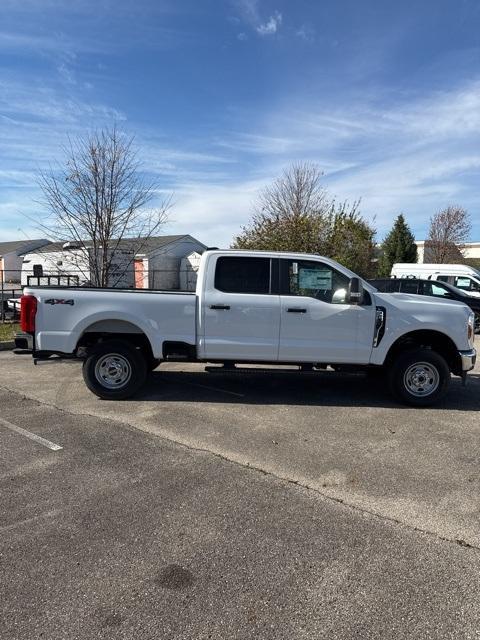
[[255, 307]]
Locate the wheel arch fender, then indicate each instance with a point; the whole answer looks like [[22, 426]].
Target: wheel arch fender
[[433, 339], [124, 326]]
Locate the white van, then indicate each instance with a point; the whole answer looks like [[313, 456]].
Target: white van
[[459, 275]]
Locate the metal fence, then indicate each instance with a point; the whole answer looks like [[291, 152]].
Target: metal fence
[[10, 290], [12, 284]]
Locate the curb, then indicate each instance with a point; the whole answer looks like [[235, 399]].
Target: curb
[[7, 346]]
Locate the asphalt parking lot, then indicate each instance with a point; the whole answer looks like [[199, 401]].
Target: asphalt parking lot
[[219, 505]]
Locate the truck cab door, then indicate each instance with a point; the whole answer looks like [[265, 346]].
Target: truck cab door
[[240, 310], [317, 324]]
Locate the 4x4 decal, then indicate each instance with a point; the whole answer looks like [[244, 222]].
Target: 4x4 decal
[[59, 301]]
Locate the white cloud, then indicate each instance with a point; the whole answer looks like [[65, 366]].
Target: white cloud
[[413, 156], [250, 12], [271, 26], [306, 33], [36, 100], [214, 213]]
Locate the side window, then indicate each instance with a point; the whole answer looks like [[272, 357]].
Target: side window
[[242, 275], [393, 285], [466, 284], [440, 291], [434, 289], [315, 280], [409, 286], [443, 278]]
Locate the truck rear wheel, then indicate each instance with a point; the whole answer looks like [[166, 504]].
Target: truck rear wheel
[[114, 370], [419, 377], [153, 363]]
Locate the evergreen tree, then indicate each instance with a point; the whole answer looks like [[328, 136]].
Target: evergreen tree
[[398, 246]]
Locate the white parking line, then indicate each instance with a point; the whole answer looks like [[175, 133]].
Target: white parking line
[[32, 436]]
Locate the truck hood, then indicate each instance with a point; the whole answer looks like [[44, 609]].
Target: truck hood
[[416, 304], [446, 316]]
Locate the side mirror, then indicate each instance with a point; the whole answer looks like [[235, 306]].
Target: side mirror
[[355, 291]]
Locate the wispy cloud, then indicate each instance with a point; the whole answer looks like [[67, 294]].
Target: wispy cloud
[[38, 101], [250, 12], [271, 26], [306, 33], [416, 155], [214, 146]]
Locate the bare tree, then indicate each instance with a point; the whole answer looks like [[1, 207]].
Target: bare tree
[[449, 230], [99, 200], [292, 214], [295, 213], [297, 192]]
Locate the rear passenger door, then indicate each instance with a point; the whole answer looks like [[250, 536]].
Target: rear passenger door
[[241, 310]]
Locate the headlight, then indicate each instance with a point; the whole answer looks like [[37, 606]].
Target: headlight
[[471, 328]]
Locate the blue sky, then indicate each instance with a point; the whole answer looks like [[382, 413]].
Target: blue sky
[[222, 94]]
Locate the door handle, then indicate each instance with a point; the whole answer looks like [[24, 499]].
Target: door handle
[[220, 307], [296, 310]]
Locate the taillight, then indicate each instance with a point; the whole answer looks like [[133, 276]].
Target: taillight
[[28, 310]]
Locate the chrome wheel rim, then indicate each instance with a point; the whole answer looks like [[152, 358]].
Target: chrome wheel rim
[[421, 379], [113, 371]]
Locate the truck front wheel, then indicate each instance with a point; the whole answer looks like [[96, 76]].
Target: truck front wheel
[[419, 377], [114, 370]]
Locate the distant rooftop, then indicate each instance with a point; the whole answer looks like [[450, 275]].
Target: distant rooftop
[[143, 245], [21, 246], [464, 244]]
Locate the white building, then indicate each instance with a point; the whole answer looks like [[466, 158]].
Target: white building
[[470, 250], [158, 263], [11, 257], [70, 264], [154, 263]]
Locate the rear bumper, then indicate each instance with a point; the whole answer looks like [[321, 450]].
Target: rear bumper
[[24, 342], [468, 359]]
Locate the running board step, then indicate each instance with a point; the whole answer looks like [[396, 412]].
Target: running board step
[[236, 369]]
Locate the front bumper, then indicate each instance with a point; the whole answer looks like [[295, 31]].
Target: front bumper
[[468, 359]]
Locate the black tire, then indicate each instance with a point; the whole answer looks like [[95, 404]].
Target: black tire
[[114, 370], [422, 385], [152, 363], [477, 322], [375, 373]]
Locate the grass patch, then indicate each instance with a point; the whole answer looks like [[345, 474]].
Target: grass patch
[[7, 331]]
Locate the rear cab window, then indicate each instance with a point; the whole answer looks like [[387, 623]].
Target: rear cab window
[[238, 274], [409, 286]]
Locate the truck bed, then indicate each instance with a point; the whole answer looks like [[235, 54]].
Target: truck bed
[[65, 314]]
